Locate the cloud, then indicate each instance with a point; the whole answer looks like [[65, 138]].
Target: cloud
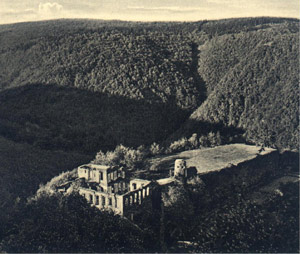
[[50, 8]]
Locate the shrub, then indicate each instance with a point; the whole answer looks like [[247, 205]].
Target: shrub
[[155, 149], [122, 156]]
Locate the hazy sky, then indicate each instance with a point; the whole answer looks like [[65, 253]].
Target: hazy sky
[[144, 10]]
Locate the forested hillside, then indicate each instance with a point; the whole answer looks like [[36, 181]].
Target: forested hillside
[[252, 84], [154, 66], [122, 84], [136, 83]]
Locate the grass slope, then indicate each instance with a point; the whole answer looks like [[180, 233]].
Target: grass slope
[[205, 160]]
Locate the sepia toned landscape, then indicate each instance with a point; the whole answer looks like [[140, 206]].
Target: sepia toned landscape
[[121, 136]]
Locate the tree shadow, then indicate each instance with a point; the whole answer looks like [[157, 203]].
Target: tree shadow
[[64, 118], [194, 69]]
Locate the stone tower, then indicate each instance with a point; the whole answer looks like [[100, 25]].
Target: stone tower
[[180, 167]]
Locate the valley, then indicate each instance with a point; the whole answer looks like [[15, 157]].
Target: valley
[[222, 95]]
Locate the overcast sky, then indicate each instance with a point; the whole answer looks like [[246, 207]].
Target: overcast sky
[[144, 10]]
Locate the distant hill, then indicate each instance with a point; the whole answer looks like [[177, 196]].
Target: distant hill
[[87, 85], [130, 61]]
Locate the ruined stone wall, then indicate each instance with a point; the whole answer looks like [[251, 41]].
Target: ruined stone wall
[[107, 201], [134, 199]]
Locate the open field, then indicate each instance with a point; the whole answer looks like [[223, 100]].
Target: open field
[[211, 159]]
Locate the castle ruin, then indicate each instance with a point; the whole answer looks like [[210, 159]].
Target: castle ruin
[[106, 187]]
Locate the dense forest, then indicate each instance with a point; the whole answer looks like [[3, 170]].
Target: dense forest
[[107, 83], [73, 89], [251, 80]]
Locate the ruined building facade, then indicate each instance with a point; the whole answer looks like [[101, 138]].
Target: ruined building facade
[[106, 188]]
